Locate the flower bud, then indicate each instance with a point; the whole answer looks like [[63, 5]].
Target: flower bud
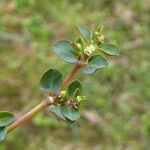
[[63, 94], [96, 33]]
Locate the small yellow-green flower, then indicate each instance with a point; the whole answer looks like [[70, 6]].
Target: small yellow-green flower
[[89, 49], [101, 38]]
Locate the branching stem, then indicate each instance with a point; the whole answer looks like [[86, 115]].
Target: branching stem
[[44, 104]]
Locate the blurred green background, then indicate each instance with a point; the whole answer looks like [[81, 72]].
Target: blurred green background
[[116, 115]]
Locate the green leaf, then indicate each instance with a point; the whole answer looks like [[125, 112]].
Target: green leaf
[[78, 51], [70, 113], [86, 33], [109, 49], [76, 93], [51, 81], [6, 118], [63, 96], [95, 62], [99, 29], [65, 51], [3, 133], [80, 40], [56, 111], [73, 86]]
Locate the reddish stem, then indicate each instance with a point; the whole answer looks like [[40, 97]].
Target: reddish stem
[[29, 115], [70, 76]]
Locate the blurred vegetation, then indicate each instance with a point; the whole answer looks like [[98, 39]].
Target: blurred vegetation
[[117, 114]]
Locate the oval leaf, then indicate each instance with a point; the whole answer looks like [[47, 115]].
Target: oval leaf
[[95, 62], [72, 88], [56, 111], [6, 118], [3, 133], [86, 33], [109, 49], [51, 81], [65, 51], [70, 113]]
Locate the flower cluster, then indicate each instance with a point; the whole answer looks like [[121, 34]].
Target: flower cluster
[[101, 38], [87, 47], [76, 101]]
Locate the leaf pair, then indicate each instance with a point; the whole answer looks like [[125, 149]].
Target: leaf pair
[[67, 54], [5, 119], [65, 50], [97, 61], [65, 112], [105, 47], [51, 82]]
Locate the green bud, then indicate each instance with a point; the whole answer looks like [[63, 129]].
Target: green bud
[[63, 94], [96, 33]]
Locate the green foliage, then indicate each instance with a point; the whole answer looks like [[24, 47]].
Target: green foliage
[[73, 87], [67, 103], [68, 109], [95, 62], [3, 133], [56, 110], [119, 96], [109, 49], [6, 118], [95, 40], [84, 47], [65, 113], [65, 51], [51, 81], [70, 113], [86, 33], [34, 25]]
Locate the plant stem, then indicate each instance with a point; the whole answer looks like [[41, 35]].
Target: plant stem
[[70, 76], [44, 104], [29, 115]]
